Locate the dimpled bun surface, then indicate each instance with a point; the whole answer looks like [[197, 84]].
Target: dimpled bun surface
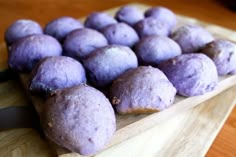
[[120, 34], [107, 63], [56, 73], [129, 14], [26, 52], [99, 20], [80, 119], [223, 53], [142, 90], [192, 38], [191, 74], [80, 43], [20, 29], [155, 49], [59, 28]]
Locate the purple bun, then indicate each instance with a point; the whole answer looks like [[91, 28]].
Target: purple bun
[[59, 28], [21, 28], [155, 49], [99, 20], [142, 90], [192, 38], [80, 119], [80, 43], [162, 14], [129, 14], [107, 63], [223, 53], [26, 52], [56, 72], [191, 74], [120, 34], [151, 26]]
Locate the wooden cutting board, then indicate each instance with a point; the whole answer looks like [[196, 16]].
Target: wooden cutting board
[[188, 133]]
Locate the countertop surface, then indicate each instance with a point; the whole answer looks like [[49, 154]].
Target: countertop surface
[[211, 11]]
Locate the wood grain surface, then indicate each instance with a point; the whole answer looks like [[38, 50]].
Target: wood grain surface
[[207, 10]]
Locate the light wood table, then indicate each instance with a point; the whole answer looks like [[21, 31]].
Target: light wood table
[[206, 10]]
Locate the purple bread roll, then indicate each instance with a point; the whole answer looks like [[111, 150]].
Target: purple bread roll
[[80, 43], [192, 38], [99, 20], [26, 52], [56, 72], [21, 28], [59, 28], [151, 26], [155, 49], [223, 53], [107, 63], [162, 14], [80, 119], [120, 34], [191, 74], [129, 14], [142, 90]]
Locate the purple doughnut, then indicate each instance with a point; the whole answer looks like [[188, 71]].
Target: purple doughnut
[[80, 43], [21, 28], [142, 90], [80, 119], [59, 28], [99, 20], [155, 49], [120, 34], [56, 72], [26, 52], [129, 14], [191, 74]]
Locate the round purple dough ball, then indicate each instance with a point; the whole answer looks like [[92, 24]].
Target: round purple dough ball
[[26, 52], [162, 14], [107, 63], [192, 38], [80, 43], [21, 28], [99, 20], [129, 14], [142, 90], [223, 53], [151, 26], [155, 49], [61, 27], [80, 119], [191, 74], [56, 72], [120, 34]]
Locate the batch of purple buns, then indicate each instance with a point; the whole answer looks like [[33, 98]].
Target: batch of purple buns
[[131, 63]]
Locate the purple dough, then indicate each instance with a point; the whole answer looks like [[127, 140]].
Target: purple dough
[[192, 38], [99, 20], [151, 26], [120, 34], [142, 90], [59, 28], [223, 53], [26, 52], [80, 119], [191, 74], [80, 43], [21, 28], [129, 14], [154, 49], [162, 14], [56, 72], [107, 63]]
